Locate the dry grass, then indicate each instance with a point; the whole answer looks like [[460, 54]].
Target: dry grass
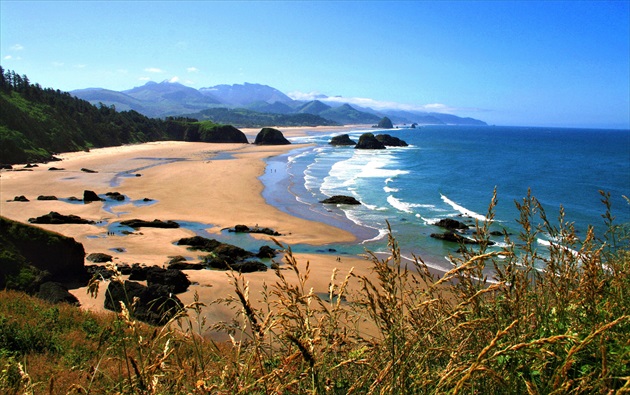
[[552, 321]]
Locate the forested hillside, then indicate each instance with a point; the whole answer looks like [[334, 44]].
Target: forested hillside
[[37, 122]]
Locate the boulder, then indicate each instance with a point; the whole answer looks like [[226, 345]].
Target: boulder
[[91, 196], [115, 196], [100, 271], [55, 292], [56, 168], [4, 166], [199, 243], [184, 266], [54, 218], [368, 141], [20, 198], [452, 224], [88, 170], [341, 199], [44, 197], [270, 136], [342, 139], [31, 165], [99, 257], [175, 280], [156, 305], [266, 252], [138, 273], [391, 141], [156, 223]]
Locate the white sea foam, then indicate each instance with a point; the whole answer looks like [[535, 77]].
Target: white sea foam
[[389, 190], [399, 205], [463, 210]]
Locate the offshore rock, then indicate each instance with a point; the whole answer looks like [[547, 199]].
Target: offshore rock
[[385, 123], [368, 141], [341, 199], [270, 136], [452, 224], [391, 141], [342, 139]]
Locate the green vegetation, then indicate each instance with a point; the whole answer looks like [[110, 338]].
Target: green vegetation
[[552, 322], [247, 118]]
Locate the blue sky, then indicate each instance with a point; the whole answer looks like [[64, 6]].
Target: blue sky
[[548, 63]]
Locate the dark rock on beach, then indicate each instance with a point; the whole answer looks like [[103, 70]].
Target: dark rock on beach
[[247, 229], [54, 218], [20, 198], [266, 252], [115, 196], [342, 139], [156, 305], [156, 223], [44, 197], [55, 169], [199, 243], [449, 223], [91, 196], [341, 199], [99, 271], [391, 141], [99, 257], [270, 136], [175, 280], [223, 256], [5, 167], [368, 141], [88, 170]]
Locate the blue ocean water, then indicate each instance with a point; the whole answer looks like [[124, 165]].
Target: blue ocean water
[[450, 172]]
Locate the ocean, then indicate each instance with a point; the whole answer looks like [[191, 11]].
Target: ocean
[[451, 172]]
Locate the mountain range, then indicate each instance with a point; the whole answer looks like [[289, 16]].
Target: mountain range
[[167, 99]]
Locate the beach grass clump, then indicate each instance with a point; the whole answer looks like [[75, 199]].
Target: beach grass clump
[[521, 319]]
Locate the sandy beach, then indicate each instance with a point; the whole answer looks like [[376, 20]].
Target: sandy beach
[[214, 184]]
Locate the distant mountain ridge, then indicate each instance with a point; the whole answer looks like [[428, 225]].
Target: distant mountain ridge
[[164, 99]]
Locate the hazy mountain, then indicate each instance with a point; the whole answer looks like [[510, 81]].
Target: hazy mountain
[[313, 107], [173, 99], [152, 99], [346, 114], [240, 95]]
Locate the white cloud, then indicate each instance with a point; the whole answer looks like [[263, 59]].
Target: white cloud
[[17, 47], [80, 66], [153, 70], [174, 79], [297, 95], [8, 57], [144, 79], [192, 69]]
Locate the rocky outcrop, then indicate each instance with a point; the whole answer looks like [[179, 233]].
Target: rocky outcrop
[[342, 139], [156, 305], [91, 196], [55, 292], [30, 255], [223, 256], [44, 197], [385, 123], [451, 224], [266, 252], [20, 198], [341, 199], [270, 136], [256, 229], [175, 280], [391, 141], [222, 134], [368, 141], [54, 218], [156, 223]]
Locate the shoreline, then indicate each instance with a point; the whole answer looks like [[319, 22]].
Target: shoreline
[[192, 185]]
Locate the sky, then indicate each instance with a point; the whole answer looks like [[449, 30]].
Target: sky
[[525, 63]]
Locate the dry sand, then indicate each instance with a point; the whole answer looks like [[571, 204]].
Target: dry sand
[[199, 188]]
